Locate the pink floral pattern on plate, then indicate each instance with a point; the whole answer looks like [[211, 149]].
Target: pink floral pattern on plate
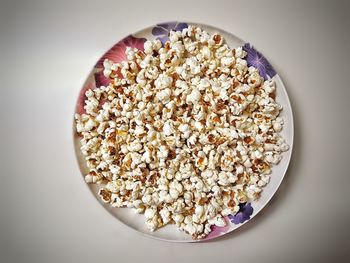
[[217, 231], [81, 99], [115, 54]]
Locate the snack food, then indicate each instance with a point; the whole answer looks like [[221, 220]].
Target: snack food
[[185, 132]]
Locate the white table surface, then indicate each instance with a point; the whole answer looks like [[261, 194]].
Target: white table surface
[[49, 47]]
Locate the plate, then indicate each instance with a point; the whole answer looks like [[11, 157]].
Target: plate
[[254, 58]]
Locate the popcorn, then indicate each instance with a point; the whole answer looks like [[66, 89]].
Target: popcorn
[[150, 212], [135, 146], [277, 125], [227, 61], [217, 221], [163, 81], [90, 124], [148, 47], [186, 135], [164, 95], [194, 97], [165, 215], [152, 224], [168, 128]]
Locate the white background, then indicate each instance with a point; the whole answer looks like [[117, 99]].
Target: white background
[[47, 50]]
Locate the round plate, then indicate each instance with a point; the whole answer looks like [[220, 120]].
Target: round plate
[[254, 58]]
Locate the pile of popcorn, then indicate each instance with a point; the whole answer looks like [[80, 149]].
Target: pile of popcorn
[[184, 133]]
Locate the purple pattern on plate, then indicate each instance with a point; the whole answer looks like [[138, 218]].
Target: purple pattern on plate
[[256, 59], [244, 213], [161, 31]]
